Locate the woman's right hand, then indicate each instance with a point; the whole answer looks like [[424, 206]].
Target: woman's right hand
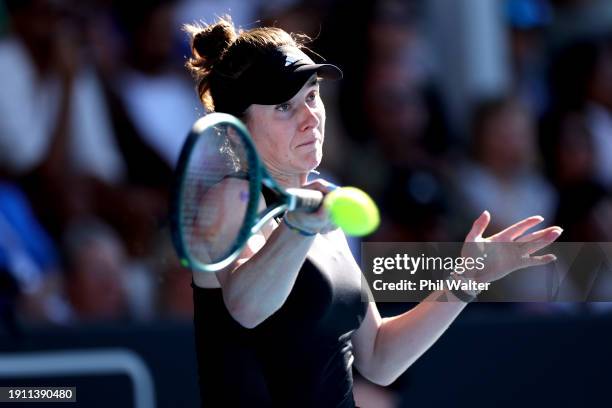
[[317, 222]]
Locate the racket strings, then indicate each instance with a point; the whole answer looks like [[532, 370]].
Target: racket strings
[[211, 195]]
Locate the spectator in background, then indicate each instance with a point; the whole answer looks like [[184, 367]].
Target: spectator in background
[[584, 203], [503, 171], [60, 138], [54, 128], [581, 81], [599, 109], [153, 106], [57, 135], [406, 127], [151, 85], [96, 272], [30, 262], [413, 195]]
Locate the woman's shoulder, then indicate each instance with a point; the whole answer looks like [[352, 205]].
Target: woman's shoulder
[[229, 185], [226, 198]]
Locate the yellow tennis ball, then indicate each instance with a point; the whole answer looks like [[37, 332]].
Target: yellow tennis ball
[[352, 210]]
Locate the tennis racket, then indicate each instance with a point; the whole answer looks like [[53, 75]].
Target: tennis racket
[[219, 170]]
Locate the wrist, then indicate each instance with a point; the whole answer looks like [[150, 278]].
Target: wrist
[[464, 289], [295, 228]]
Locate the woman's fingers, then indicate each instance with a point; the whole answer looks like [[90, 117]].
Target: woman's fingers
[[540, 260], [321, 185], [479, 226], [314, 221], [533, 246], [516, 230], [538, 234]]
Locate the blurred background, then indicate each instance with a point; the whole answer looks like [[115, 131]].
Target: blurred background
[[447, 108]]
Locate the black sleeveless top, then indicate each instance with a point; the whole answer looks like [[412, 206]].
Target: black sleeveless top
[[301, 356]]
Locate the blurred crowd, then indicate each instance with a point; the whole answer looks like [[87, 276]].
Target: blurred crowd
[[95, 104]]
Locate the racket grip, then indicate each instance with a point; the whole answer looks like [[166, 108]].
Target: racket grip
[[304, 199]]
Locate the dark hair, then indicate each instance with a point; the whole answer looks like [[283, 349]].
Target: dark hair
[[218, 49]]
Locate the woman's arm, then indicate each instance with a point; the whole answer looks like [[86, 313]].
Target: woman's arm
[[259, 282], [385, 348], [262, 279]]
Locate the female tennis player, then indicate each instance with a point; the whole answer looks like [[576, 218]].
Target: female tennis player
[[284, 324]]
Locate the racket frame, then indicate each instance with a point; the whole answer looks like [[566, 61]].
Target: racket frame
[[252, 221]]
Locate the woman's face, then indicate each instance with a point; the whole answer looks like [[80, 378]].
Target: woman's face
[[289, 136]]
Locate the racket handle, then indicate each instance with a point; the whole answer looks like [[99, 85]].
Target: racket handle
[[305, 199]]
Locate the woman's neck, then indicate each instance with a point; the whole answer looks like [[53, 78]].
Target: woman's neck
[[289, 180]]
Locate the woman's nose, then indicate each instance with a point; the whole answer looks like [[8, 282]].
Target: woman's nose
[[309, 117]]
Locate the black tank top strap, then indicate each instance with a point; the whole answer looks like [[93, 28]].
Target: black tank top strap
[[268, 193], [269, 197]]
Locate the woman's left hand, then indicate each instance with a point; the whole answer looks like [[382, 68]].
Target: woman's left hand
[[508, 250]]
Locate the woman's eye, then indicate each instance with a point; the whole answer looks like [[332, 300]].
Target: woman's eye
[[283, 107], [312, 96]]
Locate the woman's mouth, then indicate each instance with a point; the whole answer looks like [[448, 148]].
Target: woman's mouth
[[308, 143]]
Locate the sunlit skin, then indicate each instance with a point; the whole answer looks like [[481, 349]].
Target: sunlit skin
[[289, 136]]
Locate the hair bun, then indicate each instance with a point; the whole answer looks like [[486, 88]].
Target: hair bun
[[212, 41]]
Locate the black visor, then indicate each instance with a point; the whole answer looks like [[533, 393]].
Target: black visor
[[273, 78]]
